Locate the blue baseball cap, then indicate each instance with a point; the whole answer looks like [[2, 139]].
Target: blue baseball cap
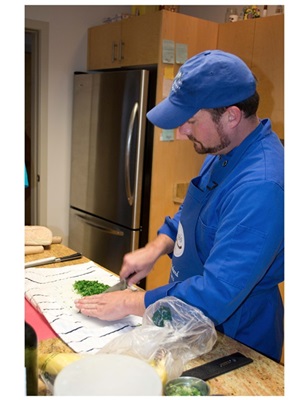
[[210, 79]]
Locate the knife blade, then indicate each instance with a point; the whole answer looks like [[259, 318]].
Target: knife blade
[[51, 260], [122, 285]]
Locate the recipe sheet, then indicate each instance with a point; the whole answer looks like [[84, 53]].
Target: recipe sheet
[[51, 292]]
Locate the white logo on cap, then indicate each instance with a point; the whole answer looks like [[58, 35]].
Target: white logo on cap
[[177, 82]]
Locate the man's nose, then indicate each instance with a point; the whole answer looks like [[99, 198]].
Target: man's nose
[[185, 129]]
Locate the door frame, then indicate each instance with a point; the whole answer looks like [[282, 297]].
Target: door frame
[[39, 122]]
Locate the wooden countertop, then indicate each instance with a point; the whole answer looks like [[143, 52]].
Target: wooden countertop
[[263, 377]]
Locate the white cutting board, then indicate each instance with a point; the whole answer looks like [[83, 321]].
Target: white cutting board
[[50, 291]]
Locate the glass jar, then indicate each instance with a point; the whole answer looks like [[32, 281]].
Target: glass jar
[[231, 15], [170, 8], [31, 369]]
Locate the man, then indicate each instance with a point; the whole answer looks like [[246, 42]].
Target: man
[[227, 239]]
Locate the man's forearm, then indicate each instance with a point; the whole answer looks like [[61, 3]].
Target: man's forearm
[[161, 245]]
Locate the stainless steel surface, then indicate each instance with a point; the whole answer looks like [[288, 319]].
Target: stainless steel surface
[[103, 105], [184, 384], [130, 197], [108, 174], [122, 285], [100, 240]]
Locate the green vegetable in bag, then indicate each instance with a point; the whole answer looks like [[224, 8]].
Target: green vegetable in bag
[[161, 315]]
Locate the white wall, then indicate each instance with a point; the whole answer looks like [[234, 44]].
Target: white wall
[[217, 13], [67, 47]]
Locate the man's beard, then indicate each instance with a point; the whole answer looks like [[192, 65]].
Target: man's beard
[[201, 149]]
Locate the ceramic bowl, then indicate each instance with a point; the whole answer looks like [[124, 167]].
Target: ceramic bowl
[[108, 375]]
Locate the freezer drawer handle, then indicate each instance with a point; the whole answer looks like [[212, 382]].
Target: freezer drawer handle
[[130, 196], [101, 227]]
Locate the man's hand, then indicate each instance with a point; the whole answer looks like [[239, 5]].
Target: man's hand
[[112, 306], [137, 264]]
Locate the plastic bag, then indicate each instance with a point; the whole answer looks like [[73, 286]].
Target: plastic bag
[[171, 334]]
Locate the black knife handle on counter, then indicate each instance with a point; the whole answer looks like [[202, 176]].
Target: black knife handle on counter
[[218, 367], [70, 257]]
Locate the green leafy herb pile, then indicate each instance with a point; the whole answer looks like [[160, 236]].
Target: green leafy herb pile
[[182, 390], [88, 288]]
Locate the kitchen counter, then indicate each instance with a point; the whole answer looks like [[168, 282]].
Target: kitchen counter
[[263, 377]]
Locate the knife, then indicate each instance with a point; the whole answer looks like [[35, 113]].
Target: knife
[[51, 260], [122, 285]]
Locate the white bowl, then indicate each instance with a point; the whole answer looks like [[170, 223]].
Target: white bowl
[[108, 374]]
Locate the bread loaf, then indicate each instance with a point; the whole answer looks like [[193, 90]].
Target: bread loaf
[[57, 239], [33, 249], [37, 236]]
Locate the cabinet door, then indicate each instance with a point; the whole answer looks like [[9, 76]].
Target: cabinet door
[[104, 46], [237, 38], [197, 34], [140, 39], [268, 66], [260, 43], [174, 162], [130, 42]]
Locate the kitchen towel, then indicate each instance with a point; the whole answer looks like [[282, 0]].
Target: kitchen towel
[[51, 292]]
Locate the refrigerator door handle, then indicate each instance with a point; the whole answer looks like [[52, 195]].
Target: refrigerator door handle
[[129, 194], [86, 220]]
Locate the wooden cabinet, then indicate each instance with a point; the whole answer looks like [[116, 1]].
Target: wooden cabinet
[[268, 66], [130, 42], [237, 38], [260, 43], [137, 41], [175, 161], [103, 46]]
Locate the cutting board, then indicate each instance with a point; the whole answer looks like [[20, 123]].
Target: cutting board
[[51, 292]]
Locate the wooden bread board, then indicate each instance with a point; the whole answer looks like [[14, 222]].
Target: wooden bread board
[[37, 236]]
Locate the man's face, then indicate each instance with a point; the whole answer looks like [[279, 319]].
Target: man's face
[[207, 136]]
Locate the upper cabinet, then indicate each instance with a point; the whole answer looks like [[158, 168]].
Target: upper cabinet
[[260, 43], [103, 46], [268, 66], [237, 38], [130, 42], [137, 40]]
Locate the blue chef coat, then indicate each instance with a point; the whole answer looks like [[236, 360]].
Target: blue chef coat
[[228, 256]]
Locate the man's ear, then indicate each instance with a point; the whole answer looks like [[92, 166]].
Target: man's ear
[[234, 116]]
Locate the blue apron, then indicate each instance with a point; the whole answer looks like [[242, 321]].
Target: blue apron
[[185, 253], [256, 314]]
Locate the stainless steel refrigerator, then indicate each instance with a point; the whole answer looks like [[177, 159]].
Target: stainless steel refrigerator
[[111, 158]]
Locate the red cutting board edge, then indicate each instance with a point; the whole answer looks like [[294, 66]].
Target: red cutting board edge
[[38, 322]]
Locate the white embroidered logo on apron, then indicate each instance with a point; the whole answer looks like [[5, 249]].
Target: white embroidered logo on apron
[[180, 242]]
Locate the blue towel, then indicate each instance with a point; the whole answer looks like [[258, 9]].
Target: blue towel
[[26, 178]]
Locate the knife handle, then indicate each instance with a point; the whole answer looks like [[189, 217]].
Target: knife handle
[[70, 257], [218, 367]]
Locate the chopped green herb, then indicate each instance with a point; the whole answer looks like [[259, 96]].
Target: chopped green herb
[[88, 288], [161, 315], [182, 390]]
